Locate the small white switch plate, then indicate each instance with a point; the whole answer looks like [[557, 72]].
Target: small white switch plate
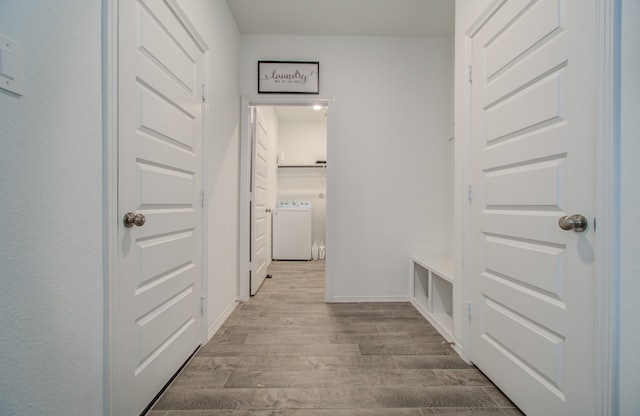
[[11, 66]]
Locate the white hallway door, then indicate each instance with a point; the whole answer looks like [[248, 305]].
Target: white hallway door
[[533, 139], [259, 231], [158, 322]]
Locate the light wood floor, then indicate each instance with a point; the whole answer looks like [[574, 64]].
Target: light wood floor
[[286, 352]]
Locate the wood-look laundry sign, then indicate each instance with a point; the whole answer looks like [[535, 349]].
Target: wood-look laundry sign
[[288, 77]]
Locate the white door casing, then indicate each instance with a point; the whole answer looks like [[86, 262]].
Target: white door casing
[[244, 286], [259, 183], [532, 151], [157, 295]]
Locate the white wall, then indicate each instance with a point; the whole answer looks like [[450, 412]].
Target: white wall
[[392, 182], [51, 266], [217, 26], [304, 143], [630, 201]]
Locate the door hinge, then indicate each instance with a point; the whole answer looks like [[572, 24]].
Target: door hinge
[[470, 194], [469, 310], [204, 97], [250, 266], [470, 74], [203, 198], [203, 302]]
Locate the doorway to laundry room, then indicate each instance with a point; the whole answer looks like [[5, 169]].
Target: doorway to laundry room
[[285, 163]]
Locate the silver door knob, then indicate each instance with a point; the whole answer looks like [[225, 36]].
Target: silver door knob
[[577, 223], [130, 219]]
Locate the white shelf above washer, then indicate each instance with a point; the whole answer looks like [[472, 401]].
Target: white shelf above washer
[[315, 165]]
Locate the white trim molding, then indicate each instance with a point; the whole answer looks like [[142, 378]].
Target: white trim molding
[[369, 299], [245, 185], [110, 190], [607, 193]]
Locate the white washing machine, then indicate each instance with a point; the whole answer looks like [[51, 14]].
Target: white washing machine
[[292, 230]]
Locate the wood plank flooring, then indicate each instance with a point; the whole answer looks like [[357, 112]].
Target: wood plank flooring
[[286, 352]]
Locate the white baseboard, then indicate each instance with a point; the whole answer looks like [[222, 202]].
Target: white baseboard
[[223, 317], [358, 299]]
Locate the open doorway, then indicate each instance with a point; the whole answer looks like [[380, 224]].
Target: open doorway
[[300, 183], [285, 187]]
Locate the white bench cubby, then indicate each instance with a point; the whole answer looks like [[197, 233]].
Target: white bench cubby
[[431, 291]]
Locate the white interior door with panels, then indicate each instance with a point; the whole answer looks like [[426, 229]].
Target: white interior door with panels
[[157, 296], [533, 140], [259, 183]]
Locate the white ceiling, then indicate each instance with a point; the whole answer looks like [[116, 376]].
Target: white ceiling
[[344, 17]]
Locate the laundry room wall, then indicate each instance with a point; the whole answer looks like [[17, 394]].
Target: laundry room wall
[[390, 153], [305, 143]]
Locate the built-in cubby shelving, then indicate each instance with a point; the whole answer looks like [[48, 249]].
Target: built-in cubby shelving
[[431, 283]]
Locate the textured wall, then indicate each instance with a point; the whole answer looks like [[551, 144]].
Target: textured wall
[[51, 302]]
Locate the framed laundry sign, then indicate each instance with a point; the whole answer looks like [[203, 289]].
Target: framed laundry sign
[[288, 77]]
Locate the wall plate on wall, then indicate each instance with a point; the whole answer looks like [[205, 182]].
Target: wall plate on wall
[[11, 66]]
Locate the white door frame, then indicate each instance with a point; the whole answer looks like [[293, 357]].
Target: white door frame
[[111, 222], [110, 191], [245, 185], [606, 197]]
